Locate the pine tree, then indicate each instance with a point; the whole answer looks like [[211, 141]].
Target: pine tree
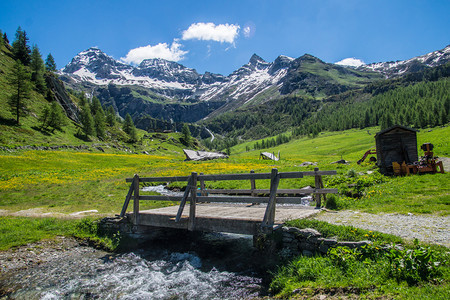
[[21, 49], [128, 124], [20, 81], [96, 106], [53, 117], [99, 117], [99, 120], [50, 64], [111, 116], [133, 135], [37, 69], [87, 120], [186, 134], [5, 38]]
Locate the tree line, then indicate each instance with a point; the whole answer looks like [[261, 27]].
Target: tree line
[[29, 72], [417, 100]]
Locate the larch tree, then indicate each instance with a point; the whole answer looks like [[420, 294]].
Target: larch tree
[[50, 64], [130, 129], [111, 116], [37, 69], [20, 47], [87, 120], [20, 81], [186, 134]]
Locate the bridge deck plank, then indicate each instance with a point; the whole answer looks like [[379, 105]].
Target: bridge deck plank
[[225, 218]]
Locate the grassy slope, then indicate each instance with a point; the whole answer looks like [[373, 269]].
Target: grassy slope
[[418, 194], [65, 181], [28, 132]]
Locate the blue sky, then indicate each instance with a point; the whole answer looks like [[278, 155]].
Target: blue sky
[[221, 36]]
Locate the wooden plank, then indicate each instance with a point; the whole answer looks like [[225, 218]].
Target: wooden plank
[[160, 198], [160, 179], [279, 191], [269, 215], [191, 222], [127, 201], [243, 176], [314, 173], [286, 175], [136, 200], [183, 200], [228, 199]]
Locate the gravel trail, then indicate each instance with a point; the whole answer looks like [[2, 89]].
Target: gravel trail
[[432, 229]]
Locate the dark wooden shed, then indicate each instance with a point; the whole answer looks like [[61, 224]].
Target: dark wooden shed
[[396, 144]]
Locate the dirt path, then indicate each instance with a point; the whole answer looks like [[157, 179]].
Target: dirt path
[[40, 212], [431, 229]]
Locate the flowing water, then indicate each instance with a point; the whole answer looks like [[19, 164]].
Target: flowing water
[[222, 267]]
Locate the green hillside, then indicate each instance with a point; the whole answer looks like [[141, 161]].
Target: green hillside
[[417, 100]]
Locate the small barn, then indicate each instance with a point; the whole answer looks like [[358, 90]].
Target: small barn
[[396, 144]]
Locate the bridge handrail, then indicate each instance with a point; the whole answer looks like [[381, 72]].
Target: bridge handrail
[[191, 189]]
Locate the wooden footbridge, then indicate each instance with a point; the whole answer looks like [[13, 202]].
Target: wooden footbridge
[[217, 210]]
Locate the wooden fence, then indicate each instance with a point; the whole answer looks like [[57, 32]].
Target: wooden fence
[[196, 192]]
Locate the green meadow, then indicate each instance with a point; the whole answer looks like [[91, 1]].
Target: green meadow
[[67, 181]]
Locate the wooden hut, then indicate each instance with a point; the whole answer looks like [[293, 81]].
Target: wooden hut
[[396, 144]]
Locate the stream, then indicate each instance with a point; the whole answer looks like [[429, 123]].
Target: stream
[[190, 266], [174, 265]]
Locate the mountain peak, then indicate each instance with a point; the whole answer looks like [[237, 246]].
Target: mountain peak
[[256, 59]]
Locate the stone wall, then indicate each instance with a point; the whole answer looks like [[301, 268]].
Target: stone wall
[[309, 242]]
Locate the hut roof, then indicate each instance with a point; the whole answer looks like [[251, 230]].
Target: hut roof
[[268, 155], [203, 155], [396, 127]]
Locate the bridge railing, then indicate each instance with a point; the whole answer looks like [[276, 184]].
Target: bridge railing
[[194, 195]]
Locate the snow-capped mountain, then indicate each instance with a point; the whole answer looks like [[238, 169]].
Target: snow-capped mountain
[[171, 91], [175, 81], [415, 64]]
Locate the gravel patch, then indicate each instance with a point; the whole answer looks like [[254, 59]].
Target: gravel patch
[[431, 229], [26, 256]]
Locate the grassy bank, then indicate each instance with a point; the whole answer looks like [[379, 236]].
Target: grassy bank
[[17, 231], [388, 268]]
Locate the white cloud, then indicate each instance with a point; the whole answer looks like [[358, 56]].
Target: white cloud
[[351, 61], [161, 50], [247, 31], [210, 32]]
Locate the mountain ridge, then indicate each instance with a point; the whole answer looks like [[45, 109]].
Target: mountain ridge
[[256, 82]]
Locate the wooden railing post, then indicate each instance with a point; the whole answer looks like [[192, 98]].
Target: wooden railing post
[[317, 184], [202, 187], [269, 216], [136, 199], [191, 224], [183, 200], [127, 200], [253, 184]]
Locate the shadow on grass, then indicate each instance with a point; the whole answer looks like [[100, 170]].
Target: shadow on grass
[[8, 122], [44, 131]]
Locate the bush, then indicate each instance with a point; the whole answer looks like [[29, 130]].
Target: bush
[[413, 265], [331, 202]]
